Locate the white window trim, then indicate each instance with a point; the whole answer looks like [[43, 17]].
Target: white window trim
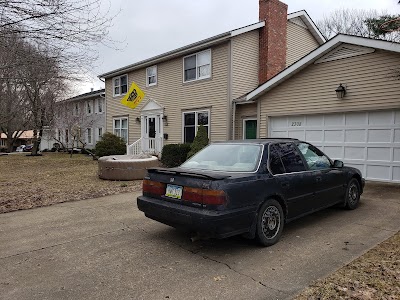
[[197, 78], [195, 122], [113, 84], [147, 76], [75, 112], [91, 135], [127, 126], [244, 126]]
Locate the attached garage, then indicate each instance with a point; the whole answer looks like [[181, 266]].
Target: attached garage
[[369, 141], [362, 128]]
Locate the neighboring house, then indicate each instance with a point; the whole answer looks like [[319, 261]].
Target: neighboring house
[[79, 122], [196, 85], [362, 128], [25, 138]]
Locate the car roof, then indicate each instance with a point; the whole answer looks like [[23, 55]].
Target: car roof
[[258, 141]]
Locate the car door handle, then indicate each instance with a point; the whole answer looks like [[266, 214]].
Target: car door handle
[[318, 179]]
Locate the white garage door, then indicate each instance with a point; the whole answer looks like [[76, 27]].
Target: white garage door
[[369, 141]]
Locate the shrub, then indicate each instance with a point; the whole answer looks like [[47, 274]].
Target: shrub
[[110, 145], [174, 155], [199, 142]]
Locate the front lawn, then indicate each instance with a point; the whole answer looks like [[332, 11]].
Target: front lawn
[[27, 182]]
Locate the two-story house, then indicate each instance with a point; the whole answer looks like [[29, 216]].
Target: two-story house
[[78, 122], [196, 84]]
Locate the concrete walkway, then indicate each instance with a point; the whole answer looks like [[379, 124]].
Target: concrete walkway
[[106, 249]]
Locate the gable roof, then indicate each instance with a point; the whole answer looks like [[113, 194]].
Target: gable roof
[[313, 56], [215, 40], [97, 93]]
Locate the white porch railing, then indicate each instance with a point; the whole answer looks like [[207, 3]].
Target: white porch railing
[[135, 148], [145, 145]]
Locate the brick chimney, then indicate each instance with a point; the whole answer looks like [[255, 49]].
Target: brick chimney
[[272, 53]]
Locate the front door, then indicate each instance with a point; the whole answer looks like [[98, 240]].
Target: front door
[[250, 129], [152, 137]]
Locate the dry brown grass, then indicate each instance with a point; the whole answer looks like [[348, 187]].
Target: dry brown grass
[[27, 182], [375, 275]]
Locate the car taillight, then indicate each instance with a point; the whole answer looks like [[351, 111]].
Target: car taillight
[[209, 197], [153, 187]]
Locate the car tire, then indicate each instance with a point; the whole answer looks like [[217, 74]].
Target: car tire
[[352, 197], [270, 221]]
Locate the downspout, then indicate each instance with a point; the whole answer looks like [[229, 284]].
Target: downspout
[[229, 119], [234, 120]]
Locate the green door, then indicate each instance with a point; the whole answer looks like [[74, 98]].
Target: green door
[[250, 129]]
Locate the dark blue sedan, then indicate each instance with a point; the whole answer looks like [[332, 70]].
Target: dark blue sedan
[[249, 187]]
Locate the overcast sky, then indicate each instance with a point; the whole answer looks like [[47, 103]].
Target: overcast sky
[[148, 28]]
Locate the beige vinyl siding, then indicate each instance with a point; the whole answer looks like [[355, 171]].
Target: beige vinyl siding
[[244, 63], [300, 42], [177, 97], [243, 111], [369, 80]]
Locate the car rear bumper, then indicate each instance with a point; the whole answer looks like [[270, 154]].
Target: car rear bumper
[[217, 224]]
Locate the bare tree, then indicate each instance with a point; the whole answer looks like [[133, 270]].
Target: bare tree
[[355, 22], [69, 29]]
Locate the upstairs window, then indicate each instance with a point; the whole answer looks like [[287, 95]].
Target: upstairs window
[[99, 106], [76, 109], [197, 66], [151, 76], [120, 85], [89, 108]]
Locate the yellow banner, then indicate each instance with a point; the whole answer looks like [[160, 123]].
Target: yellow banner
[[134, 96]]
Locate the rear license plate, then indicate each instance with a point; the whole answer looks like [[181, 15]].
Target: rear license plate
[[174, 191]]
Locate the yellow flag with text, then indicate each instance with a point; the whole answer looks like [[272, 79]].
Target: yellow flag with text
[[134, 96]]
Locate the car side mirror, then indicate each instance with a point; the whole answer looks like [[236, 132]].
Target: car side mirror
[[338, 164]]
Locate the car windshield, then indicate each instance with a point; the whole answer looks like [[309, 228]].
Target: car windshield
[[226, 157]]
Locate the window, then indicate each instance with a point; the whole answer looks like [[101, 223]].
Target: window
[[191, 123], [121, 128], [66, 136], [290, 157], [99, 133], [89, 107], [89, 137], [151, 76], [120, 85], [315, 159], [76, 109], [197, 66], [99, 106], [275, 162]]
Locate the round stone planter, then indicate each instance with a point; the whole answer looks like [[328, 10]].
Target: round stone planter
[[126, 167]]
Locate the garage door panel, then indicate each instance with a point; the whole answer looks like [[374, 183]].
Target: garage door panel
[[396, 173], [314, 121], [396, 154], [397, 135], [354, 153], [378, 172], [397, 117], [314, 136], [378, 154], [379, 136], [355, 135], [297, 134], [380, 117], [334, 136], [334, 120], [356, 119], [369, 141], [333, 152]]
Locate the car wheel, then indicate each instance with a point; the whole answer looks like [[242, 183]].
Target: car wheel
[[352, 194], [270, 222]]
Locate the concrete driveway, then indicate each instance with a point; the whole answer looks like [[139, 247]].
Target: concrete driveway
[[106, 249]]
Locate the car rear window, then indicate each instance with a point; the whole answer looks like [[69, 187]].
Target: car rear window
[[226, 157]]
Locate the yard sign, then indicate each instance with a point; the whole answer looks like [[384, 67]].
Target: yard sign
[[134, 96]]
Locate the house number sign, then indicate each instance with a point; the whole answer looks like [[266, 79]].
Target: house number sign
[[296, 124]]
